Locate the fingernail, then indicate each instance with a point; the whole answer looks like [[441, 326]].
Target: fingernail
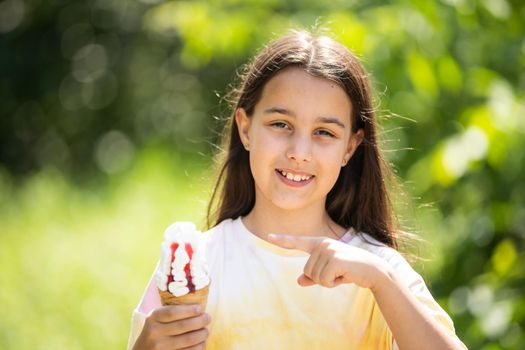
[[197, 308], [271, 236]]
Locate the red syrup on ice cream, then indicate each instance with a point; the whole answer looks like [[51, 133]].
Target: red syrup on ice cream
[[173, 247], [189, 250]]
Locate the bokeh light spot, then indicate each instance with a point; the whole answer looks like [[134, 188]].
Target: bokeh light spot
[[114, 152], [89, 63], [11, 14]]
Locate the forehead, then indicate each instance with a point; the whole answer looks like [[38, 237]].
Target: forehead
[[307, 95]]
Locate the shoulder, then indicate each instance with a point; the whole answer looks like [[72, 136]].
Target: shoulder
[[218, 231], [365, 241], [220, 236], [393, 257]]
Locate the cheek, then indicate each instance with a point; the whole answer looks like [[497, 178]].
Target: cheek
[[331, 164], [265, 147], [330, 155], [260, 161]]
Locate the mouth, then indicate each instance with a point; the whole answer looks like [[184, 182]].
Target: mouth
[[295, 176]]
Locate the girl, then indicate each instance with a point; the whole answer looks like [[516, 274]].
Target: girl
[[303, 251]]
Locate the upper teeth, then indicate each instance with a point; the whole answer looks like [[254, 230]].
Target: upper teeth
[[295, 177]]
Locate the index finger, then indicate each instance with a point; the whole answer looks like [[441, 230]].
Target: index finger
[[170, 313], [303, 243]]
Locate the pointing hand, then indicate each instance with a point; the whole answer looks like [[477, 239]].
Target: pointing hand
[[332, 262]]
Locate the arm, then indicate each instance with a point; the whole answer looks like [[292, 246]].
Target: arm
[[409, 322], [332, 263]]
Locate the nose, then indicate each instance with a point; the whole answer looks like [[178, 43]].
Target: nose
[[300, 149]]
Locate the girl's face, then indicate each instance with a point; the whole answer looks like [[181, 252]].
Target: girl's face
[[299, 137]]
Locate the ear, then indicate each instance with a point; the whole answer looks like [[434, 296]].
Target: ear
[[354, 142], [243, 125]]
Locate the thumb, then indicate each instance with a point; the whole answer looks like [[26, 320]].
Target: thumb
[[304, 281]]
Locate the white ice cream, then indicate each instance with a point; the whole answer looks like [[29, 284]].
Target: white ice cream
[[182, 233]]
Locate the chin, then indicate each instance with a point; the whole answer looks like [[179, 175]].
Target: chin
[[291, 204]]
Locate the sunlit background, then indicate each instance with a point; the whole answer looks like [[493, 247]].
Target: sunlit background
[[109, 112]]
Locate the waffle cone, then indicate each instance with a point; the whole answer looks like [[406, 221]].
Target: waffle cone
[[198, 297]]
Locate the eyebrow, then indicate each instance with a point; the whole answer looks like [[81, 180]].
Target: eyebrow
[[329, 120]]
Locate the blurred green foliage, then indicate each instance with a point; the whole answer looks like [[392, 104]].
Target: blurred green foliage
[[75, 261], [110, 109]]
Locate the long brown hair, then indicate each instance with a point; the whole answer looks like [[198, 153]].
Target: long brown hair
[[359, 198]]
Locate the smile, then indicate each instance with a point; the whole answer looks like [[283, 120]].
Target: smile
[[296, 177]]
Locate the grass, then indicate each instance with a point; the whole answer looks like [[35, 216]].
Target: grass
[[75, 261]]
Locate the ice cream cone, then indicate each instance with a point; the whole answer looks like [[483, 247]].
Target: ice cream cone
[[198, 297], [182, 266]]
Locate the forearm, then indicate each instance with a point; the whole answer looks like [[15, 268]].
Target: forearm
[[409, 322]]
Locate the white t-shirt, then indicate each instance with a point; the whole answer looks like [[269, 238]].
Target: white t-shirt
[[256, 303]]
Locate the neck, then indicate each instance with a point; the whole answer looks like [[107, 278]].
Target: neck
[[310, 221]]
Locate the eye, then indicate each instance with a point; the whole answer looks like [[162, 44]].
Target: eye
[[323, 132], [279, 125]]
